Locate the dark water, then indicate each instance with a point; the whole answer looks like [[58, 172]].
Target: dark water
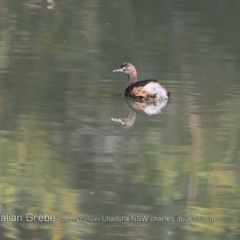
[[172, 175]]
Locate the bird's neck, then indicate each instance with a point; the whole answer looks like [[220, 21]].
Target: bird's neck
[[132, 78]]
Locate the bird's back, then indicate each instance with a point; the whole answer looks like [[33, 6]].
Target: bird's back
[[147, 89]]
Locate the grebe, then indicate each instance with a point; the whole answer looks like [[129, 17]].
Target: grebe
[[145, 89]]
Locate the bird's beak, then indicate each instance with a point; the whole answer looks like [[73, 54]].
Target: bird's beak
[[118, 70]]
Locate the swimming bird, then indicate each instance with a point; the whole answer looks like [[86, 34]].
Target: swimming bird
[[145, 89]]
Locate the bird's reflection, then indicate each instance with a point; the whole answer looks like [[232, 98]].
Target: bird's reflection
[[128, 121], [146, 107], [35, 4]]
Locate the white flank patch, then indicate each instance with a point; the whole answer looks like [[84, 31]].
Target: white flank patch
[[155, 88]]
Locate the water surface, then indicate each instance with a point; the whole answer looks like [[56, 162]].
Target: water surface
[[168, 176]]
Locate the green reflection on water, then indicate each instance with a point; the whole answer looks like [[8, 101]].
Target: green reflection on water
[[33, 183]]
